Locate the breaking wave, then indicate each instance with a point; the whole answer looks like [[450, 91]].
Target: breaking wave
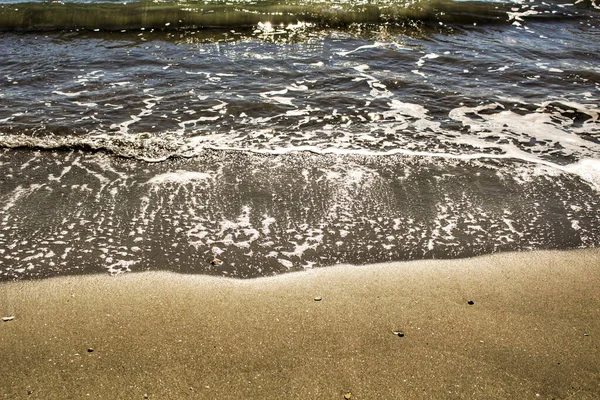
[[113, 16]]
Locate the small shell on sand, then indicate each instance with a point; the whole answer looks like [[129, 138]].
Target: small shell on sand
[[216, 262], [6, 319]]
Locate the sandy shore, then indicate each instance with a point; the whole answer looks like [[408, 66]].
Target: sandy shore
[[532, 332]]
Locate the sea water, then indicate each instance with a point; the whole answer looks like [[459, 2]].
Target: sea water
[[284, 135]]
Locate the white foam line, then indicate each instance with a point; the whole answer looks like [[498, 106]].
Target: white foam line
[[63, 173], [376, 45], [179, 176], [72, 94], [18, 193], [587, 169], [103, 179], [81, 104], [26, 164]]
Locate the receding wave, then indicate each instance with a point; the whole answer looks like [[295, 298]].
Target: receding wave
[[155, 149], [48, 16]]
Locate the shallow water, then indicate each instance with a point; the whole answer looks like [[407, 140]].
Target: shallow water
[[352, 133]]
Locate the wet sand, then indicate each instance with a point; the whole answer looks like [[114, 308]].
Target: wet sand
[[532, 332]]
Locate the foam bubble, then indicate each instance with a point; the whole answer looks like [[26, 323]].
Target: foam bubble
[[180, 177]]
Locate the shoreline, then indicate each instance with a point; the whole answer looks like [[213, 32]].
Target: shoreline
[[531, 333]]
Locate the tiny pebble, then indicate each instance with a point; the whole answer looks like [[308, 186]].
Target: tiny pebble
[[90, 350], [348, 396], [398, 333], [318, 298], [470, 302], [6, 319]]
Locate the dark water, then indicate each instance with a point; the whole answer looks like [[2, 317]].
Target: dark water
[[279, 136]]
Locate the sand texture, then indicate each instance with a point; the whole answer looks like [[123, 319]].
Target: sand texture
[[533, 331]]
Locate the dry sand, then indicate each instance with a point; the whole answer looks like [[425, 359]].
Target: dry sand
[[532, 332]]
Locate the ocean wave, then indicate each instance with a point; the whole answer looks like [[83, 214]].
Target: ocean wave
[[112, 16]]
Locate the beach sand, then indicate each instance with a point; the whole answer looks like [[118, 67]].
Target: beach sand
[[533, 331]]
